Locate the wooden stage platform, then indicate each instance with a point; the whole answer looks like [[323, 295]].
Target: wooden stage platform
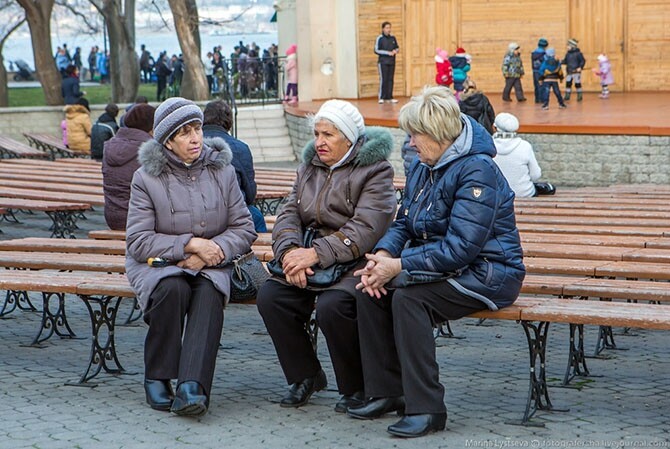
[[645, 113]]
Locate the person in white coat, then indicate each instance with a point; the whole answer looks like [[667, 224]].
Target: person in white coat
[[516, 159]]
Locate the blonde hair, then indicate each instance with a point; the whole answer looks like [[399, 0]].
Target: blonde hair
[[434, 113]]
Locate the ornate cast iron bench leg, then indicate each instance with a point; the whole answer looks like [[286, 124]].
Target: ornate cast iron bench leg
[[538, 393], [102, 313], [14, 299], [53, 322], [64, 223]]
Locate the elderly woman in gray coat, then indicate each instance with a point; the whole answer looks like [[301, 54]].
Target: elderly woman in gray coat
[[186, 218], [344, 196]]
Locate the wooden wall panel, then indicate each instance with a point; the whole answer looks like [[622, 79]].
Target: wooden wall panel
[[371, 14], [599, 26], [488, 27], [634, 33], [647, 44], [425, 35]]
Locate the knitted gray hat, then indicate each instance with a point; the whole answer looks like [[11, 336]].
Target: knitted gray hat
[[172, 114]]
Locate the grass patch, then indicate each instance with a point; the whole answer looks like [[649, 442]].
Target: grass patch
[[34, 96]]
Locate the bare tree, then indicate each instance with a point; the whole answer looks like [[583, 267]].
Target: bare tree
[[123, 60], [185, 16], [13, 15], [38, 15]]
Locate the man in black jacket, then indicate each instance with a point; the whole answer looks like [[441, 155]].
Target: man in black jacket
[[218, 120], [386, 46]]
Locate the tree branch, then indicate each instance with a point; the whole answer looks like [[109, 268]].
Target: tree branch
[[92, 27], [208, 21], [153, 2]]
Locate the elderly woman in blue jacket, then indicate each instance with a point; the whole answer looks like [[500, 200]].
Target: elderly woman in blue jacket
[[457, 223]]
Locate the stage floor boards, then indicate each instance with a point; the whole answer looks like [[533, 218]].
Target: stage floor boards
[[641, 113]]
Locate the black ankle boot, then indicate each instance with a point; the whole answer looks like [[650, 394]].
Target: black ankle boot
[[299, 393], [376, 407], [190, 400], [159, 394], [412, 426], [350, 400]]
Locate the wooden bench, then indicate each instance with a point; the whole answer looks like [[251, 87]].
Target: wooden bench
[[87, 246], [52, 178], [91, 167], [100, 293], [62, 214], [30, 194], [11, 148], [53, 187], [535, 315], [50, 143]]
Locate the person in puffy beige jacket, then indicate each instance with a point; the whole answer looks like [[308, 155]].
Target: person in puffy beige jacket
[[78, 124]]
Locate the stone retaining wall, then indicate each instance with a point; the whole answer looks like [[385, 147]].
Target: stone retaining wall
[[566, 159]]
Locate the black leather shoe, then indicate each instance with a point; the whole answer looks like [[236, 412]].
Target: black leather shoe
[[159, 394], [412, 426], [299, 393], [376, 407], [350, 400], [190, 400]]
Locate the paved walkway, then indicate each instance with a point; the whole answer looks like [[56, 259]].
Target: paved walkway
[[485, 375]]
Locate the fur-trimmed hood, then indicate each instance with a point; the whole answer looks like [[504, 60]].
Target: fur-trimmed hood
[[373, 146], [155, 158]]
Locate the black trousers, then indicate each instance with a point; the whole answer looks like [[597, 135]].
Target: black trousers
[[286, 310], [386, 73], [397, 345], [513, 83], [185, 318]]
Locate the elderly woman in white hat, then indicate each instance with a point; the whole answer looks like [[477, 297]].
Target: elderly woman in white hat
[[186, 216], [342, 202]]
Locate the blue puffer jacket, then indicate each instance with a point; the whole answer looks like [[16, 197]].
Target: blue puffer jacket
[[458, 217]]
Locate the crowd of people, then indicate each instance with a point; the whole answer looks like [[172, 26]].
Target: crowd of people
[[248, 71]]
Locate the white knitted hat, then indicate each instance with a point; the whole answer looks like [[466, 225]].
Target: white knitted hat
[[344, 116], [513, 46], [506, 123]]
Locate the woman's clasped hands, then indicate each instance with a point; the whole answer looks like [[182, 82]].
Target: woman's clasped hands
[[203, 253], [297, 265], [380, 269]]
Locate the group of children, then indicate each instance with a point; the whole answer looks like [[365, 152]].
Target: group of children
[[547, 72]]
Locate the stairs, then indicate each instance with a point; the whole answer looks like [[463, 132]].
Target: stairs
[[264, 129]]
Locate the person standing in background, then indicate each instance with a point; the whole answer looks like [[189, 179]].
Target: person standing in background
[[386, 46], [512, 69], [604, 72], [93, 61], [537, 58], [460, 65], [291, 96], [574, 63]]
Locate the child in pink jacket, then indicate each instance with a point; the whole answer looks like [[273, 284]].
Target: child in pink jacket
[[292, 75], [604, 71]]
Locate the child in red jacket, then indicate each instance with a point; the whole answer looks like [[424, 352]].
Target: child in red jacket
[[444, 76]]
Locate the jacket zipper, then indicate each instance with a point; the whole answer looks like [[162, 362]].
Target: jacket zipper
[[318, 203]]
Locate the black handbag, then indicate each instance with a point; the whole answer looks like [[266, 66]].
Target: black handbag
[[322, 277], [247, 276]]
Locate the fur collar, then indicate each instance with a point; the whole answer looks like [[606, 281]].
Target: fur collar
[[155, 158], [374, 146]]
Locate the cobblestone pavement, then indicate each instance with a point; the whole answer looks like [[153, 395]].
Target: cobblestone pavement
[[485, 374]]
